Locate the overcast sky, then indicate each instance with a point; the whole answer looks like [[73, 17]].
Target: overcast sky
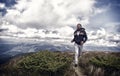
[[58, 17]]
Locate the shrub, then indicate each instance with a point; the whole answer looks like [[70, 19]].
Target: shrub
[[43, 63], [100, 64], [110, 64]]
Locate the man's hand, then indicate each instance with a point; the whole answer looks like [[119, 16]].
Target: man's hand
[[72, 41], [82, 43]]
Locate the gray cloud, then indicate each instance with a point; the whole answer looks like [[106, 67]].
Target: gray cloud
[[2, 30]]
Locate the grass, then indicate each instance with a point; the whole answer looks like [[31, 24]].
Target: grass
[[43, 63], [110, 64], [100, 64], [46, 63], [107, 62]]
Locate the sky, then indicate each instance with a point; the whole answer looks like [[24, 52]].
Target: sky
[[58, 19]]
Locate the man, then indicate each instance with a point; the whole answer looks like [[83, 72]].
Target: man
[[80, 37]]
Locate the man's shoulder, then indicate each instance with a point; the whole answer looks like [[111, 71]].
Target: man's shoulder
[[82, 29]]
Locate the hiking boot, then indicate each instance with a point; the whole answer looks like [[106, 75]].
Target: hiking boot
[[75, 65]]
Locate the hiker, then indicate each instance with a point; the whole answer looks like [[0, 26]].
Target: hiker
[[80, 37]]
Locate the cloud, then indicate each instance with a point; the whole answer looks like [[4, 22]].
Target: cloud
[[8, 29], [102, 37], [52, 13], [56, 19], [2, 5], [35, 16]]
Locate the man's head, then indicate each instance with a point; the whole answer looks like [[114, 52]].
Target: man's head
[[79, 26]]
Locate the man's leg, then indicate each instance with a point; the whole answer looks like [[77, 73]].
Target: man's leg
[[80, 50], [76, 53]]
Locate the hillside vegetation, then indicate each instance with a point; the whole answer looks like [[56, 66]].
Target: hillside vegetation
[[100, 64], [47, 63], [43, 63]]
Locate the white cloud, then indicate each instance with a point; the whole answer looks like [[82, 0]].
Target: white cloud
[[66, 31], [2, 5], [103, 38], [51, 13], [35, 16]]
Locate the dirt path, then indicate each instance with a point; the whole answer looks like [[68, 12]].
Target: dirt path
[[78, 71]]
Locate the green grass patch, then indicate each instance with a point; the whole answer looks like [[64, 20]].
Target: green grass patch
[[43, 63], [100, 64], [110, 62]]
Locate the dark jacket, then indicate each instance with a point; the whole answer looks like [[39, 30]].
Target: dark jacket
[[80, 35]]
